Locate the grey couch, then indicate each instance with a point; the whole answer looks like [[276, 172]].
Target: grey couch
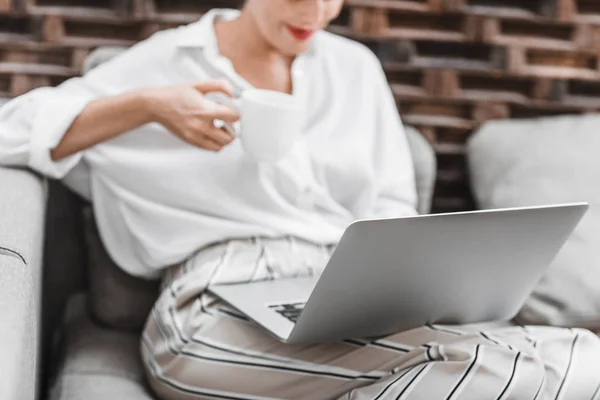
[[70, 318]]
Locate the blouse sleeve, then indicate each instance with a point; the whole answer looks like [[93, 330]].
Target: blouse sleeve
[[33, 124]]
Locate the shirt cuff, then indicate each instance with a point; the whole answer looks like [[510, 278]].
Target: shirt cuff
[[51, 121]]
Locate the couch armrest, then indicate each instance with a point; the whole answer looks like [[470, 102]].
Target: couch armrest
[[22, 206]]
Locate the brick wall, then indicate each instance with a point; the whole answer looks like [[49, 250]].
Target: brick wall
[[452, 64]]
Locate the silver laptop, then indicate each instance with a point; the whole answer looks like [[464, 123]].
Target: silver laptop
[[390, 275]]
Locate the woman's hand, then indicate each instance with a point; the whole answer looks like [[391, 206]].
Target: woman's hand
[[184, 110]]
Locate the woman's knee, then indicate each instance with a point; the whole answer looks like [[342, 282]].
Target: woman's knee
[[571, 358], [587, 337], [493, 369]]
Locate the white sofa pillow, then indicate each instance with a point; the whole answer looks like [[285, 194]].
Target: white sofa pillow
[[543, 161]]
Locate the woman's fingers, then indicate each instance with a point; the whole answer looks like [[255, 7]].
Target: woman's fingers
[[218, 135], [208, 144], [212, 107], [218, 85], [192, 116], [207, 136], [204, 142], [224, 113]]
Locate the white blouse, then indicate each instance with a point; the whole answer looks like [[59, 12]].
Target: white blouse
[[157, 199]]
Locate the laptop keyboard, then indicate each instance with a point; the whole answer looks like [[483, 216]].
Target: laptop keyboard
[[290, 311]]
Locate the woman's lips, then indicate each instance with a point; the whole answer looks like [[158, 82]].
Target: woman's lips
[[299, 33]]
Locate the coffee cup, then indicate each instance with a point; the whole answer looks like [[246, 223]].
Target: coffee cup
[[270, 122]]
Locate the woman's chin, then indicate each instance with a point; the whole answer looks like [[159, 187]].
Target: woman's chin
[[295, 48]]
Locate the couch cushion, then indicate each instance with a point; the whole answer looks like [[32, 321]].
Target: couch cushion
[[425, 168], [544, 161], [117, 299], [97, 363]]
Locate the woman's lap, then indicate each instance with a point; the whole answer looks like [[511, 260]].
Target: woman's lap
[[208, 351], [194, 347]]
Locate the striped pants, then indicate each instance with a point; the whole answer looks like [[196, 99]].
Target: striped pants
[[195, 347]]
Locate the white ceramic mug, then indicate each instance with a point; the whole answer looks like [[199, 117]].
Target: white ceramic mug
[[270, 122]]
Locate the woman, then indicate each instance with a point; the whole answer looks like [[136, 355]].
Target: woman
[[177, 197]]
